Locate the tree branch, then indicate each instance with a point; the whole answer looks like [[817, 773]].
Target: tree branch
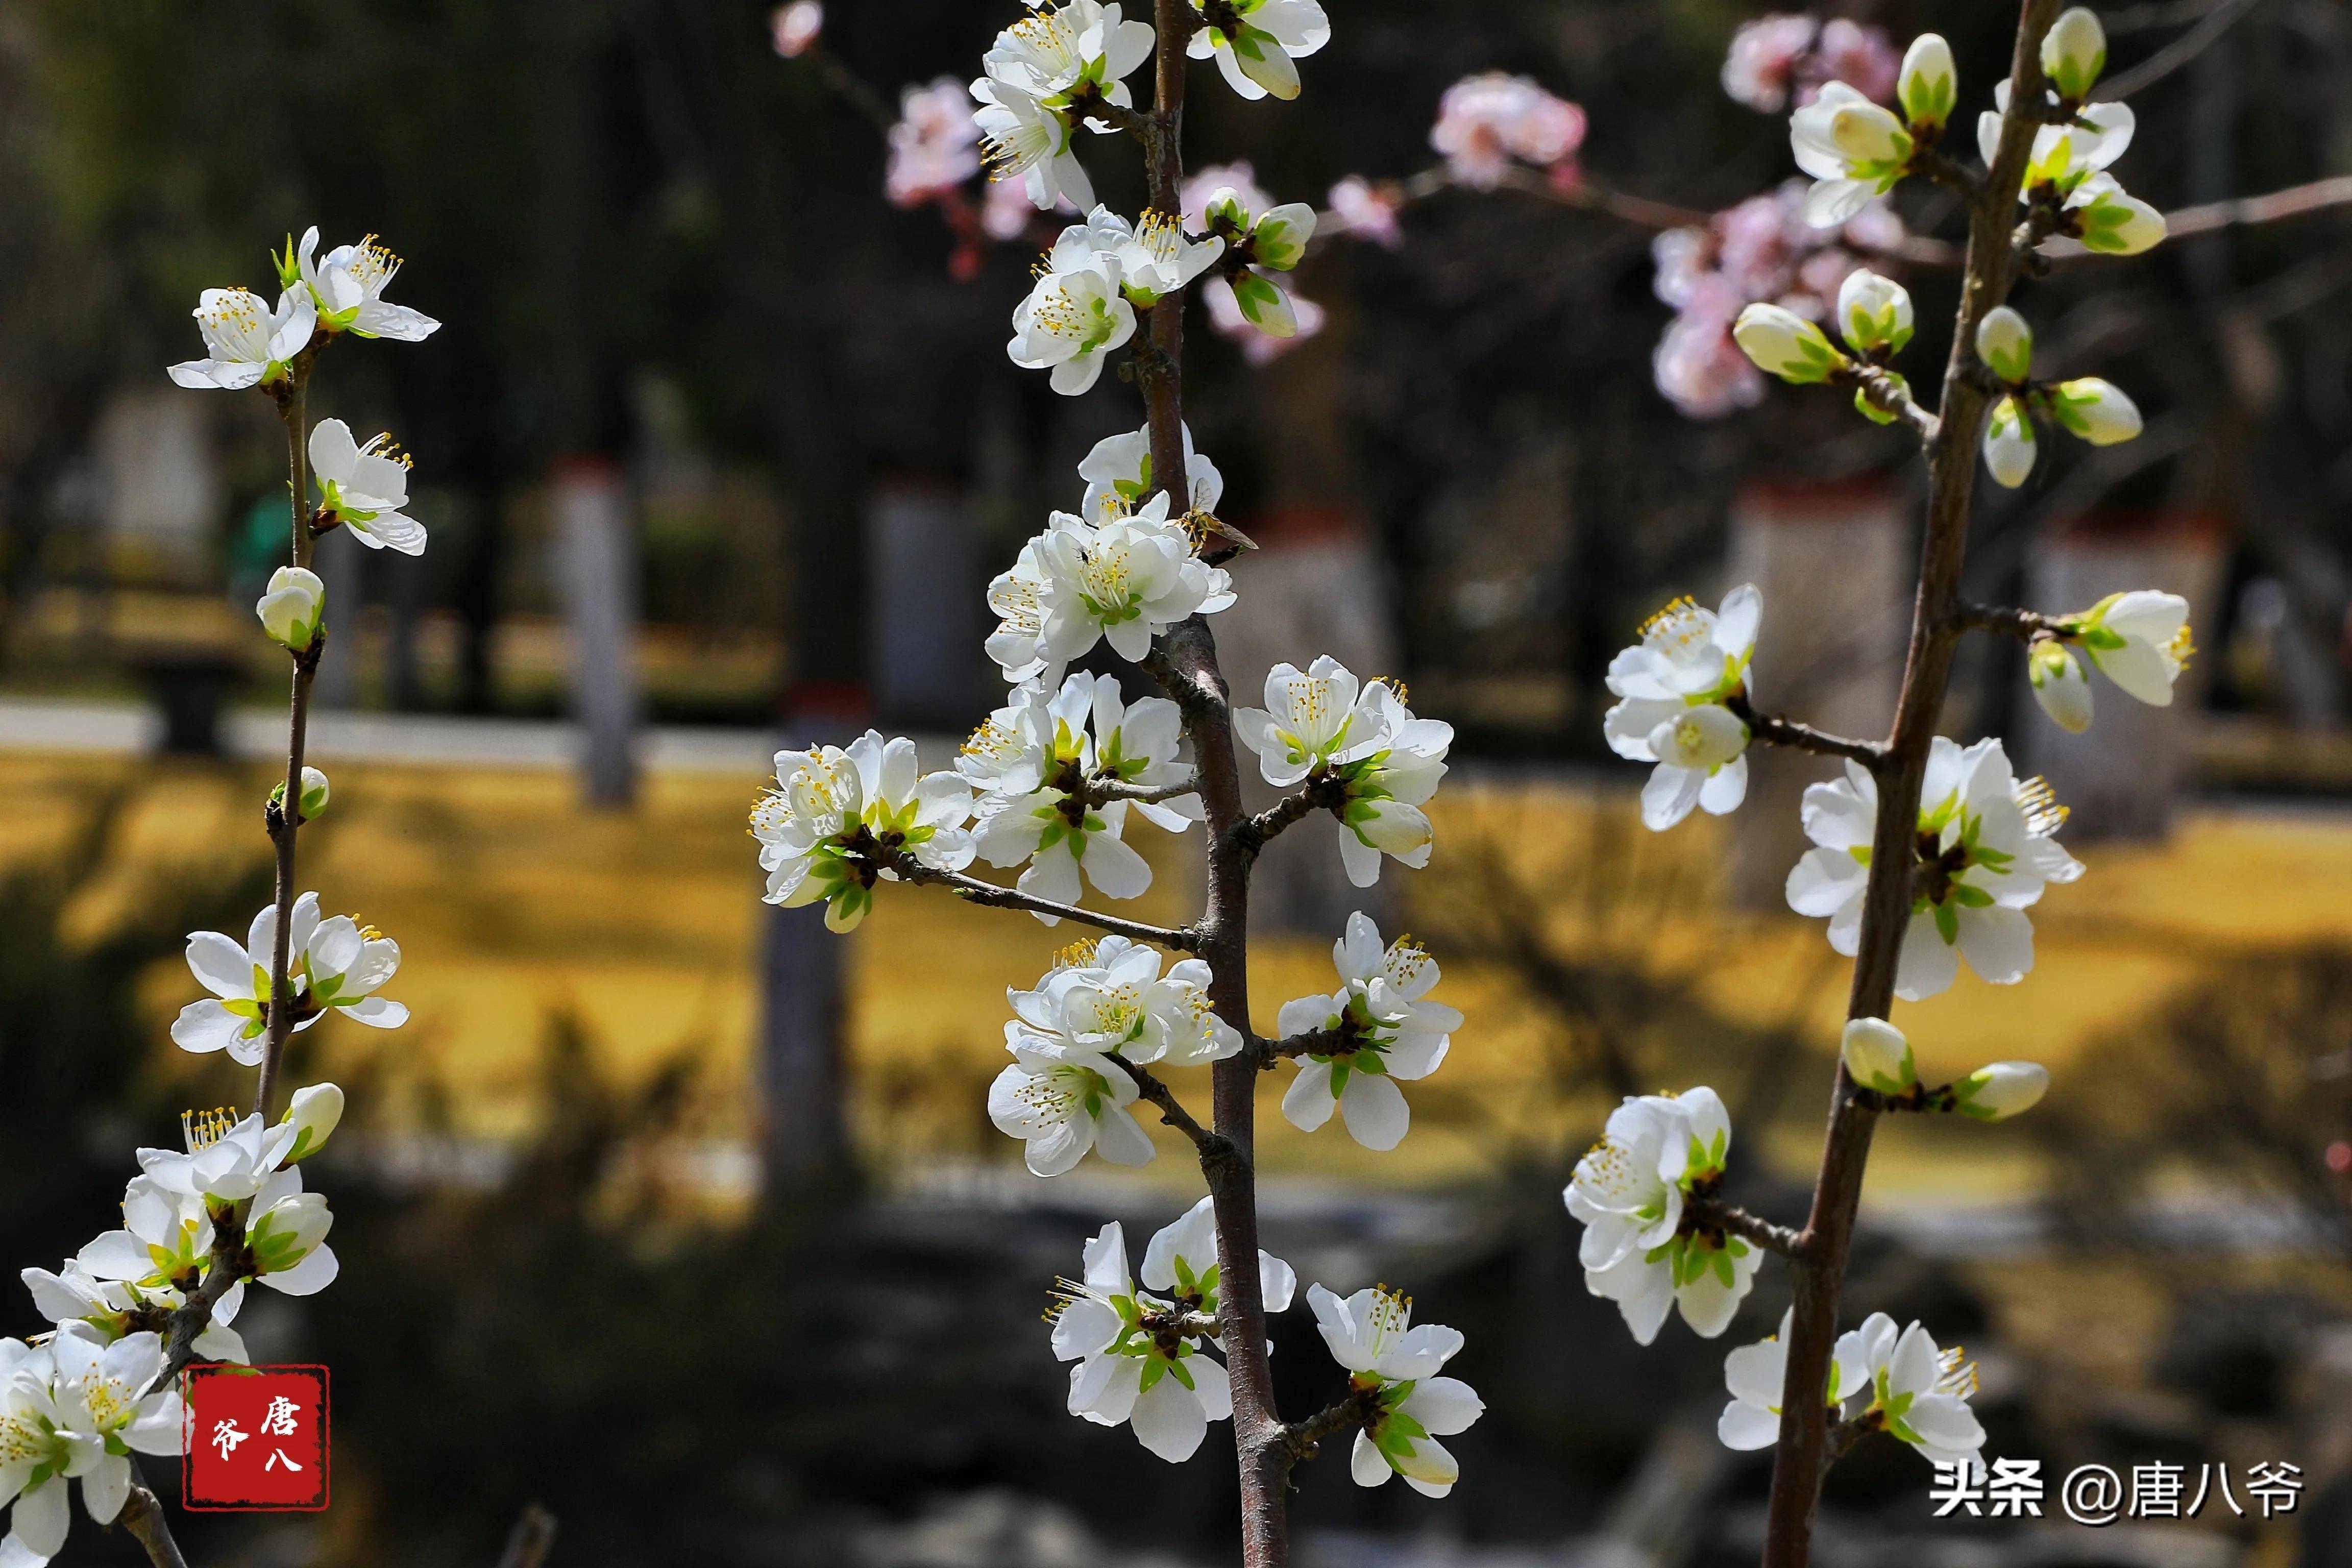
[[1172, 1113], [2022, 624], [1103, 789], [1313, 1042], [142, 1516], [291, 408], [1773, 1237], [1324, 791], [972, 890], [1302, 1439], [1885, 390], [1778, 731]]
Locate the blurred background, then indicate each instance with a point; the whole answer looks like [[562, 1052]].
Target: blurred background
[[679, 1217]]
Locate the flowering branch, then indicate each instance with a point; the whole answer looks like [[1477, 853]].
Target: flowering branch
[[1788, 733], [284, 824], [1310, 1043], [1325, 791], [972, 890], [1712, 1211], [1300, 1438]]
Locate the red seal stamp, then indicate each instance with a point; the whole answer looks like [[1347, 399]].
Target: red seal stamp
[[256, 1439]]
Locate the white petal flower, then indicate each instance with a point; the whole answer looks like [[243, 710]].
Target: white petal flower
[[1382, 1030], [345, 963], [1927, 87], [1359, 751], [348, 285], [1158, 258], [1255, 42], [1075, 314], [1118, 472], [1854, 149], [247, 342], [2108, 219], [1124, 579], [1184, 1264], [1642, 1248], [1108, 997], [233, 1017], [1061, 1101], [1394, 1366], [75, 1409], [1136, 1364], [1672, 687], [829, 828], [2140, 640], [1873, 312], [1757, 1375], [1036, 760], [1785, 344], [1985, 851], [2009, 443], [2060, 686], [286, 1232], [1920, 1393], [292, 605], [1025, 140], [366, 487]]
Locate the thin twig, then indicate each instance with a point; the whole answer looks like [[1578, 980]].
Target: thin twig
[[1313, 1042], [972, 889], [1300, 1440], [1104, 789], [2022, 624], [1324, 791], [291, 409], [142, 1516], [1172, 1112], [1773, 1237], [1781, 732]]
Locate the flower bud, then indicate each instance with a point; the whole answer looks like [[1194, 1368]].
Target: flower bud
[[2006, 344], [314, 1113], [2002, 1091], [1873, 313], [314, 795], [288, 1230], [2094, 409], [1279, 238], [2073, 52], [2116, 221], [1785, 344], [1928, 88], [291, 609], [2059, 684], [1265, 305], [1224, 214], [1863, 133], [2009, 444], [1877, 1056]]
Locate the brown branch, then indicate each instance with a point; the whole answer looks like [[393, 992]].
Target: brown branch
[[1172, 1113], [1818, 1270], [2022, 624], [1885, 390], [1313, 1042], [1301, 1440], [972, 890], [1780, 731], [142, 1516], [291, 407], [1326, 791], [1106, 789], [1773, 1237]]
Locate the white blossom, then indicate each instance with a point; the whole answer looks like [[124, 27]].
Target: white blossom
[[2060, 686], [366, 487], [1873, 313], [1376, 763], [75, 1409], [2005, 344], [2009, 446], [1255, 42], [1155, 256], [1757, 1375], [113, 1308], [344, 963], [1785, 344], [1075, 314], [286, 1232], [2000, 1090], [1920, 1393], [1134, 1366], [292, 605], [1184, 1263], [1372, 1335], [2075, 51], [235, 1018], [2096, 410], [1033, 760], [1118, 471], [2139, 640], [2065, 154], [1672, 688], [1062, 1100], [1876, 1055], [1641, 1250], [1853, 148], [834, 811], [348, 285], [1042, 74], [1108, 997], [1024, 140], [1384, 1030], [1985, 853], [1927, 87], [1124, 578], [246, 343]]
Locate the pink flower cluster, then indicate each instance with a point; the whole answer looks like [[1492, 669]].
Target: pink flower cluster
[[1759, 250], [935, 146], [1486, 121], [794, 28], [1366, 210], [1774, 55]]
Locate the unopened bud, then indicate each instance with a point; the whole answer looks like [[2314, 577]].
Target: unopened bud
[[2073, 52], [314, 1113], [1785, 344], [1877, 1056], [2094, 409], [1265, 305], [1873, 313], [1278, 240], [2116, 221], [314, 795], [291, 608], [2059, 684], [1927, 88], [2002, 1091], [2009, 444], [2005, 344]]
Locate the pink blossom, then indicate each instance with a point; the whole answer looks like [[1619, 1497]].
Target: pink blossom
[[795, 27], [1684, 256], [1763, 60], [1760, 239], [1699, 369], [1205, 183], [1861, 57], [1005, 210], [1257, 348], [935, 146], [1817, 277], [1484, 122], [1366, 210]]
